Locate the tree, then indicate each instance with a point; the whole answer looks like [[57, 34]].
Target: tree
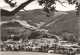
[[48, 6], [77, 8]]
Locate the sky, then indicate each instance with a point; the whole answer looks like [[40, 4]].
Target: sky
[[35, 5]]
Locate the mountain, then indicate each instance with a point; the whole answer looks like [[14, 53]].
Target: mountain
[[57, 23]]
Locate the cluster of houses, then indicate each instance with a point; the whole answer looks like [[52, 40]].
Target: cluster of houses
[[50, 44], [47, 45]]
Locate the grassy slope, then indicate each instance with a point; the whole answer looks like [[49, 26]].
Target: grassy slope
[[11, 28], [68, 22]]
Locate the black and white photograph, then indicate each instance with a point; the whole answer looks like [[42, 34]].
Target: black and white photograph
[[39, 27]]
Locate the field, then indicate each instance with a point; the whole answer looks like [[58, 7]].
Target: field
[[28, 53]]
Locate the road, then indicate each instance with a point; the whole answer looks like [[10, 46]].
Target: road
[[26, 53]]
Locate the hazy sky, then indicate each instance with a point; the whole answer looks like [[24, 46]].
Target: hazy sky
[[35, 5]]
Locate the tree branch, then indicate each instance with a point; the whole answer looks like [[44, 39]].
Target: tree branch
[[61, 3], [21, 6], [11, 13]]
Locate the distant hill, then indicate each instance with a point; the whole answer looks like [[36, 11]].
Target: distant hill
[[62, 21]]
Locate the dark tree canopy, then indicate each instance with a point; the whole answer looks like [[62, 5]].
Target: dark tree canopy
[[48, 6]]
